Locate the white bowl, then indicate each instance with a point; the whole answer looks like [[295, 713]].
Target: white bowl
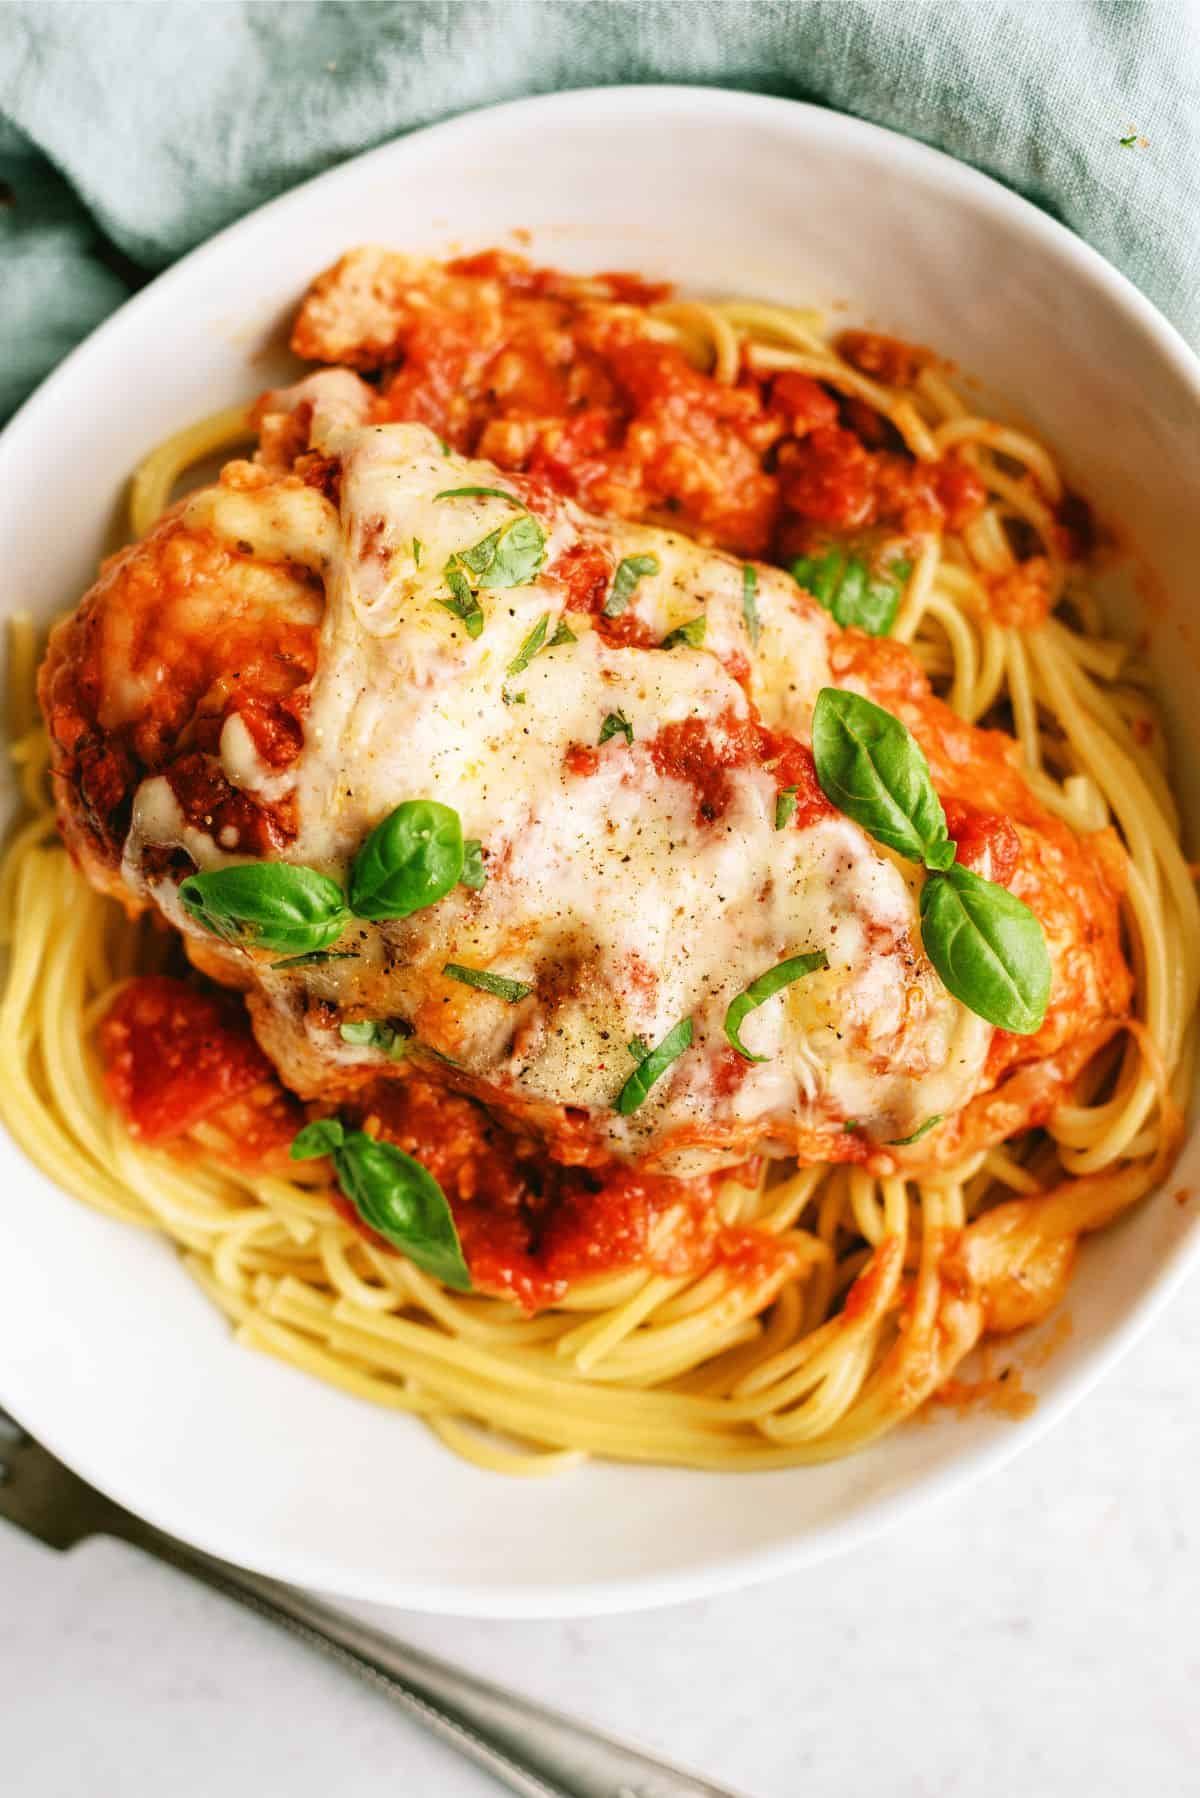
[[107, 1351]]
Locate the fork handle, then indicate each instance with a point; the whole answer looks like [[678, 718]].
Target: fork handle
[[536, 1752]]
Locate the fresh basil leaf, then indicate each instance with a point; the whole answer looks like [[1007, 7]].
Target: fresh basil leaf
[[497, 984], [845, 587], [401, 1200], [616, 725], [462, 602], [988, 948], [409, 861], [638, 1047], [629, 572], [691, 633], [785, 806], [376, 1033], [323, 1137], [477, 558], [482, 493], [872, 768], [512, 698], [267, 905], [530, 647], [474, 874], [418, 550], [764, 988], [653, 1064], [750, 603], [902, 1142], [316, 958], [519, 554], [562, 634]]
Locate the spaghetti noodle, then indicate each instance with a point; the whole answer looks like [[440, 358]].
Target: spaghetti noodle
[[888, 1282]]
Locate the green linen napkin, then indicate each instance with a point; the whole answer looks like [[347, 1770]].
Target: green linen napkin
[[130, 132]]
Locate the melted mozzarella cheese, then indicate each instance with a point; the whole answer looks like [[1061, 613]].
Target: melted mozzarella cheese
[[607, 893]]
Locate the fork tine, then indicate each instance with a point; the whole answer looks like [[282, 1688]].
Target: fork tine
[[40, 1495], [10, 1430]]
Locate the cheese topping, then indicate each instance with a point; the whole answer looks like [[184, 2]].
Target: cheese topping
[[609, 892]]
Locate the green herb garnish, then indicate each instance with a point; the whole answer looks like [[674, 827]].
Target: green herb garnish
[[500, 987], [629, 573], [462, 602], [857, 599], [375, 1033], [902, 1142], [267, 905], [482, 493], [691, 633], [409, 861], [750, 603], [616, 725], [987, 947], [871, 767], [652, 1064], [392, 1193], [530, 646], [764, 988], [785, 806], [473, 875]]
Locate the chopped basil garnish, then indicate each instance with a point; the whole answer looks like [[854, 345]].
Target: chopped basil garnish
[[530, 647], [857, 599], [563, 634], [375, 1033], [625, 580], [267, 905], [785, 805], [988, 948], [473, 873], [408, 862], [511, 991], [509, 556], [616, 725], [418, 549], [902, 1142], [651, 1064], [691, 633], [871, 767], [315, 958], [462, 602], [392, 1193], [764, 988], [319, 1138], [482, 493], [750, 603], [512, 698]]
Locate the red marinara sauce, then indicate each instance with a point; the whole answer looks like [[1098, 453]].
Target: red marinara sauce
[[530, 1228], [176, 1054]]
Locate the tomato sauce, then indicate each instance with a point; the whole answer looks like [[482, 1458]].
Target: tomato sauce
[[541, 373], [178, 1054], [175, 1053]]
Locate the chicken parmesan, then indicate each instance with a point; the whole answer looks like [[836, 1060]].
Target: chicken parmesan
[[634, 829]]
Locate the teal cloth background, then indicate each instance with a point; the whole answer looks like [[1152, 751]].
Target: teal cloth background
[[130, 132]]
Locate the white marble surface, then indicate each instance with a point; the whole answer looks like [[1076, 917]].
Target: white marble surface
[[1040, 1636]]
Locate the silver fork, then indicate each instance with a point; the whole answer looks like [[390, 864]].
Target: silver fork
[[535, 1751]]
